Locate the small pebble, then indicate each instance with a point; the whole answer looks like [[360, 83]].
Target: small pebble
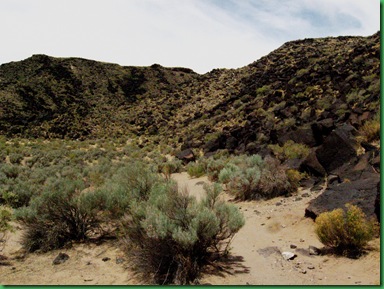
[[292, 246], [304, 271], [105, 259], [119, 260], [311, 267], [302, 240]]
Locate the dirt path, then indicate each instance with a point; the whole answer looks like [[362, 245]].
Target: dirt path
[[271, 227]]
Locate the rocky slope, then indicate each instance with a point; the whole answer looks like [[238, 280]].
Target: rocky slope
[[295, 86], [318, 92]]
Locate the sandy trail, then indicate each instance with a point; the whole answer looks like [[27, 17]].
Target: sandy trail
[[271, 228]]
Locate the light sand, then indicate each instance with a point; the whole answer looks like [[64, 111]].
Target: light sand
[[255, 253]]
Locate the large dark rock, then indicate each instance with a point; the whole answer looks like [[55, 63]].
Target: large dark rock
[[361, 193], [322, 129], [357, 183], [338, 148], [186, 156], [302, 135], [312, 165], [215, 144]]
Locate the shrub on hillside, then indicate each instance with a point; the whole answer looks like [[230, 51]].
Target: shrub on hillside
[[170, 236], [345, 232], [290, 150], [370, 130], [60, 214]]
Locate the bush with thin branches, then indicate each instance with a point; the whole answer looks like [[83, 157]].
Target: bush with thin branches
[[171, 236], [62, 213]]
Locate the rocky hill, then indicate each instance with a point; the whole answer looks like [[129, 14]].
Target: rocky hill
[[293, 88], [318, 92]]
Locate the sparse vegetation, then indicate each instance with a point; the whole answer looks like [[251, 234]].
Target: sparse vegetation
[[5, 226], [290, 150], [370, 130]]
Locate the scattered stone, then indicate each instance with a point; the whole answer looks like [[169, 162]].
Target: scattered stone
[[311, 267], [278, 204], [314, 251], [333, 178], [262, 224], [89, 263], [302, 240], [105, 259], [257, 212], [288, 255], [298, 199], [292, 246], [88, 280], [119, 260], [304, 271], [61, 258], [305, 195]]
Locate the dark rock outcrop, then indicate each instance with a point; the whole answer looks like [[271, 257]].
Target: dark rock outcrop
[[312, 165], [356, 183], [338, 148], [186, 156]]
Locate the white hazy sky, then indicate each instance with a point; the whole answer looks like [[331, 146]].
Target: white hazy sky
[[199, 34]]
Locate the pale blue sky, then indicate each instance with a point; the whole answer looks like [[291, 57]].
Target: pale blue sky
[[199, 34]]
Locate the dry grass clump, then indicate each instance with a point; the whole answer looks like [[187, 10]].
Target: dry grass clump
[[370, 130]]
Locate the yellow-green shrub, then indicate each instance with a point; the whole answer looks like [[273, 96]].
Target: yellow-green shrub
[[370, 130], [290, 150], [344, 231]]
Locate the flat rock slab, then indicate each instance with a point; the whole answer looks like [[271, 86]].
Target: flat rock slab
[[361, 193]]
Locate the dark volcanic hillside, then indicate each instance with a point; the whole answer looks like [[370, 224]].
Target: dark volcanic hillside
[[290, 90]]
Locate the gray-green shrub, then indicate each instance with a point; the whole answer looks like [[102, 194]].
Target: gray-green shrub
[[170, 236], [60, 214]]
